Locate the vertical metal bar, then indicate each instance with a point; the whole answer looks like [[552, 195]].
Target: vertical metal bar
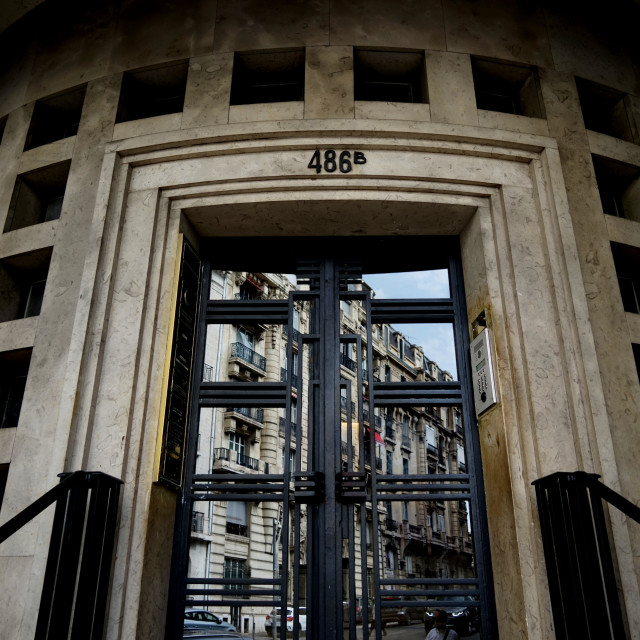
[[51, 571], [606, 563], [287, 471], [478, 503], [182, 528], [68, 561], [582, 584], [102, 592], [330, 571], [297, 467], [365, 590], [89, 607]]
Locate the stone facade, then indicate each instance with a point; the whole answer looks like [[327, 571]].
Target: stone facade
[[542, 250]]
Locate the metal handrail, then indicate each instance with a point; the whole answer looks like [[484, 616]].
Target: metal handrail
[[577, 550], [76, 580]]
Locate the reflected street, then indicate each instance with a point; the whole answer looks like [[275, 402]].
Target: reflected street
[[412, 632]]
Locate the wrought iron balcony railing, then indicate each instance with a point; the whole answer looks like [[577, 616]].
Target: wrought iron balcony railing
[[348, 362], [197, 522], [295, 334], [391, 524], [253, 413], [236, 529], [241, 351], [283, 377], [229, 455], [282, 425]]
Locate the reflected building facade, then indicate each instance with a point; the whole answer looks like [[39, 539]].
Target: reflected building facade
[[416, 539]]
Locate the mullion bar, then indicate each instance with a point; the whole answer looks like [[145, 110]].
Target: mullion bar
[[245, 394], [424, 311], [398, 394], [247, 311], [373, 402]]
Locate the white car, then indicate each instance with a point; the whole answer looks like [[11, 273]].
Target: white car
[[201, 619], [274, 618]]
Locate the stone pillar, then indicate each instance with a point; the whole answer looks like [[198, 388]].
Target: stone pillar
[[450, 82], [208, 90], [328, 86]]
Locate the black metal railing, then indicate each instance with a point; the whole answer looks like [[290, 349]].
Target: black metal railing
[[197, 522], [253, 413], [283, 424], [76, 580], [582, 584], [295, 334], [391, 524], [239, 350], [237, 529], [229, 455], [348, 362], [283, 377]]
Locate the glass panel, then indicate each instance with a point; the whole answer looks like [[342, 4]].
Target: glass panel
[[410, 284], [413, 537]]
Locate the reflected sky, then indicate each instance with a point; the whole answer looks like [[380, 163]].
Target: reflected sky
[[435, 339]]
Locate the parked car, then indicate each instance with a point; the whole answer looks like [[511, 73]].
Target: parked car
[[463, 617], [273, 618], [410, 614], [400, 613], [201, 619], [203, 634], [345, 611]]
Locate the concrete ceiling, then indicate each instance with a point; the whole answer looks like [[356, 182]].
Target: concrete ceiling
[[13, 10]]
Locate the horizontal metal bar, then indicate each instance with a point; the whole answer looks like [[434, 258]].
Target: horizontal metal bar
[[272, 581], [439, 581], [413, 486], [243, 394], [234, 592], [426, 603], [232, 603], [237, 488], [412, 310], [422, 496], [255, 497], [425, 477], [417, 393], [426, 592], [231, 477], [247, 311]]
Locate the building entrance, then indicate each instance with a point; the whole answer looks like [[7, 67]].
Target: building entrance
[[332, 484]]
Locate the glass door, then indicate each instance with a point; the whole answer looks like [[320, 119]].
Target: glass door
[[334, 484]]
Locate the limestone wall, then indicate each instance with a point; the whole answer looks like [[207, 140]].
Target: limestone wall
[[520, 192]]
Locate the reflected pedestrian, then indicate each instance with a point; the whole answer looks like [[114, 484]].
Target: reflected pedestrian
[[440, 630]]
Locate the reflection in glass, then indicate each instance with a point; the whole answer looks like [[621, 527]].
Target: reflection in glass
[[398, 539]]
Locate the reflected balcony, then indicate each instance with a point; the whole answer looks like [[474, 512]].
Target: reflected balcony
[[245, 420], [229, 460], [245, 363], [284, 424], [283, 377]]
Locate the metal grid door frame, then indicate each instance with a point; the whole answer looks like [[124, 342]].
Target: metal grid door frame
[[328, 500]]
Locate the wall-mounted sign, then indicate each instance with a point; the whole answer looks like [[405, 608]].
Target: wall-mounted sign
[[331, 160], [178, 375], [484, 386]]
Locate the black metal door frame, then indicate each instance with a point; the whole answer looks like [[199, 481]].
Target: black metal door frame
[[330, 492]]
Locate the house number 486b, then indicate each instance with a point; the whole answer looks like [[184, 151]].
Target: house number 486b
[[331, 160]]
